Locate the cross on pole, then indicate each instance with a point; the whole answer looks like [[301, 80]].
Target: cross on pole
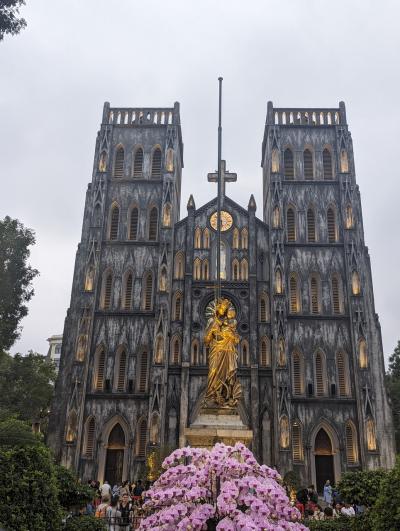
[[226, 177]]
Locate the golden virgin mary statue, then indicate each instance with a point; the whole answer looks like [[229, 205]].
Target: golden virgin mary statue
[[223, 389]]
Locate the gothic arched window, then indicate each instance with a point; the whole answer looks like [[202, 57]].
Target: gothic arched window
[[195, 352], [291, 224], [342, 374], [167, 215], [371, 434], [294, 293], [320, 374], [245, 239], [235, 269], [99, 369], [284, 437], [315, 299], [244, 351], [89, 278], [298, 373], [275, 160], [72, 427], [311, 232], [177, 306], [81, 345], [362, 354], [170, 160], [336, 294], [244, 270], [235, 239], [276, 217], [205, 270], [179, 266], [88, 446], [197, 238], [331, 221], [351, 444], [119, 162], [114, 222], [120, 375], [308, 165], [349, 221], [128, 291], [355, 283], [265, 352], [141, 438], [143, 371], [327, 164], [175, 350], [344, 161], [159, 349], [288, 164], [206, 238], [138, 163], [156, 163], [133, 223], [278, 282], [281, 352], [106, 291], [297, 442], [153, 224], [103, 161], [147, 295], [197, 269]]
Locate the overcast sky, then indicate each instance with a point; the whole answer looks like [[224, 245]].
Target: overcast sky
[[76, 54]]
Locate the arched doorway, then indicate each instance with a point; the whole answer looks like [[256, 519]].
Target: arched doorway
[[324, 459], [115, 456]]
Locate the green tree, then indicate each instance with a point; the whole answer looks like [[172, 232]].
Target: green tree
[[27, 385], [393, 387], [72, 493], [386, 511], [15, 274], [361, 487], [16, 432], [9, 21]]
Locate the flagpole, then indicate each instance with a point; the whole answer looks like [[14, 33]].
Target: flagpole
[[219, 192]]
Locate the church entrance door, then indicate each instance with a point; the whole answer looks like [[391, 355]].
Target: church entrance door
[[115, 456], [324, 466]]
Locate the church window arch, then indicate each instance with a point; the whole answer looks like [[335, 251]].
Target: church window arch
[[308, 165], [235, 238], [206, 238], [155, 423], [205, 270], [159, 349], [281, 352], [143, 371], [284, 436], [195, 352], [119, 162], [177, 306], [275, 160], [133, 223], [244, 270], [114, 222], [245, 238], [138, 162], [311, 229], [278, 282], [103, 161], [127, 292], [276, 217], [147, 291], [89, 278], [294, 297], [344, 161], [327, 164], [362, 354], [264, 308], [349, 220], [81, 346], [351, 444], [291, 224], [167, 215], [298, 373], [197, 238], [342, 369], [288, 164], [153, 224], [72, 427], [90, 431], [315, 294], [235, 269], [337, 298], [320, 374], [120, 371], [156, 163], [170, 160], [265, 352], [99, 369], [163, 279], [106, 291], [141, 438], [370, 434], [176, 350], [355, 283], [332, 225], [297, 442], [197, 269], [244, 353], [179, 269]]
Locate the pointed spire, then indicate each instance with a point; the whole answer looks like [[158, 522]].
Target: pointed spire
[[252, 203], [191, 205]]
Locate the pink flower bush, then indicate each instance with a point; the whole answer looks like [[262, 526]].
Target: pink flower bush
[[224, 485]]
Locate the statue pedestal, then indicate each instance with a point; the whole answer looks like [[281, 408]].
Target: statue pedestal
[[217, 425]]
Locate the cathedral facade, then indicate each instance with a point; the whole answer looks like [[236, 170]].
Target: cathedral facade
[[133, 365]]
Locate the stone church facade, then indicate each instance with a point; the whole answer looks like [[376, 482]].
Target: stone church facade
[[133, 365]]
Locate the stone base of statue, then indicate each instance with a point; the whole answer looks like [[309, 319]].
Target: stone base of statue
[[214, 425]]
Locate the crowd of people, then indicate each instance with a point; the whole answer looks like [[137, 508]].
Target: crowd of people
[[330, 507], [119, 506]]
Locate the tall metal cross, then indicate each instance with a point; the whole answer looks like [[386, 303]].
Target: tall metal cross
[[226, 177]]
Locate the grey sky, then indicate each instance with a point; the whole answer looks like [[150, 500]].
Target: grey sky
[[76, 54]]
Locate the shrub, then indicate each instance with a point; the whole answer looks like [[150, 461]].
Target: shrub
[[386, 512], [361, 487], [359, 523], [84, 523], [72, 493]]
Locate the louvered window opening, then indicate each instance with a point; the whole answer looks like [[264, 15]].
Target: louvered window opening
[[178, 302], [264, 353], [121, 372], [100, 371], [297, 374], [128, 292], [331, 226], [195, 354], [156, 163], [148, 292], [327, 164], [308, 165], [107, 292], [142, 439], [297, 443], [341, 368], [175, 352], [143, 372], [263, 310], [138, 163], [314, 296], [319, 376], [235, 271], [350, 453], [133, 227], [90, 430], [153, 224], [114, 223], [294, 303], [311, 225], [335, 295], [119, 163], [291, 225], [288, 164]]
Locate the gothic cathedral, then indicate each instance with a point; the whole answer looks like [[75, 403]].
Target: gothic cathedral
[[134, 366]]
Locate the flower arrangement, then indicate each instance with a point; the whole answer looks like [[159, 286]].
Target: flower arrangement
[[223, 488]]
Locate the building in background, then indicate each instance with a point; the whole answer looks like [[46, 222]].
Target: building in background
[[54, 352], [133, 364]]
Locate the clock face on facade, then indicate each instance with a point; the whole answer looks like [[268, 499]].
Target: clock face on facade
[[226, 220]]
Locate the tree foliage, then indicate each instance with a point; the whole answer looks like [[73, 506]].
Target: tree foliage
[[361, 487], [27, 384], [15, 274], [72, 493], [393, 387], [386, 512], [10, 22], [15, 432]]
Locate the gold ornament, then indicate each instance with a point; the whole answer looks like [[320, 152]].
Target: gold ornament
[[226, 220]]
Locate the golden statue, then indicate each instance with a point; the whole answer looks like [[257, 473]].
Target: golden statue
[[223, 389]]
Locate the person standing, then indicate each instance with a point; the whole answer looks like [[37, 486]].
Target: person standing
[[105, 492], [126, 509], [113, 515], [328, 492]]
